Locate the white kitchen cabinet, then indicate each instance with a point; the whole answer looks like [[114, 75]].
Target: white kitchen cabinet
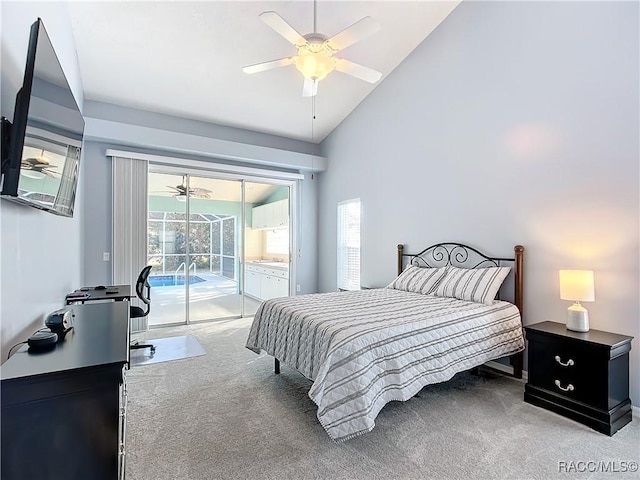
[[270, 215], [259, 217], [263, 283], [268, 287], [281, 287], [273, 287], [252, 284], [281, 213]]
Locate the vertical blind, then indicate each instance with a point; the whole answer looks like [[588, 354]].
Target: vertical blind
[[67, 193], [349, 245], [129, 225]]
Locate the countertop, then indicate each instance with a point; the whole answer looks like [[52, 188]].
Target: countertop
[[269, 264]]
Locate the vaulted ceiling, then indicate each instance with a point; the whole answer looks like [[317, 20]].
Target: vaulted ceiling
[[185, 58]]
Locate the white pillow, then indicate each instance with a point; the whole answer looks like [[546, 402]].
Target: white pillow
[[418, 280], [472, 284]]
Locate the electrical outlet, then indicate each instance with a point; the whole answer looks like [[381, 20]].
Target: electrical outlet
[[297, 288], [105, 257]]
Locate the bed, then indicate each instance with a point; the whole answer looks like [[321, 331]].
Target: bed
[[451, 309]]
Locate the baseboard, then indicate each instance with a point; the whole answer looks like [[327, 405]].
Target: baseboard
[[635, 411]]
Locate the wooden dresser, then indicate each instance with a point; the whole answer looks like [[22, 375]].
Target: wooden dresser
[[583, 376], [64, 411]]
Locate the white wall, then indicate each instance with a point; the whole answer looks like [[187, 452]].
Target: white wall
[[40, 253], [514, 122]]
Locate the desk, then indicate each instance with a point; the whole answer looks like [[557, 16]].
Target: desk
[[64, 411], [117, 293]]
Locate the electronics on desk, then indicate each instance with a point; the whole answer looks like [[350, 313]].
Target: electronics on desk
[[60, 322], [77, 295], [42, 341]]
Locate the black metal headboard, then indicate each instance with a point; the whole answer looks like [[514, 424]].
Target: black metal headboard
[[464, 256], [454, 254]]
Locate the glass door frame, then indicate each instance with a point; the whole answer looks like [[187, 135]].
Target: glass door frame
[[243, 178]]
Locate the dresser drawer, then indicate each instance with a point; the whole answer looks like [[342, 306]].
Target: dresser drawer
[[573, 370]]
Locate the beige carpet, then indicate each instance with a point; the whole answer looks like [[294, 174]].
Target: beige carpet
[[225, 415]]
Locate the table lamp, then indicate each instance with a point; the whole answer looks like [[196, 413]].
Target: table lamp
[[577, 285]]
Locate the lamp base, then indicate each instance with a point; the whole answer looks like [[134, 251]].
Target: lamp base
[[577, 318]]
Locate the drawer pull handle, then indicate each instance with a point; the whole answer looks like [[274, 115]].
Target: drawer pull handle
[[569, 363], [569, 388]]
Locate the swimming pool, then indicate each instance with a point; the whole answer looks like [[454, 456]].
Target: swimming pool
[[172, 280]]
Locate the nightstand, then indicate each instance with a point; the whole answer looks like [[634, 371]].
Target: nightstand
[[582, 376]]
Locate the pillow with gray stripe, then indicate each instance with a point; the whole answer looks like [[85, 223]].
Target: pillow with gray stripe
[[418, 280], [472, 284]]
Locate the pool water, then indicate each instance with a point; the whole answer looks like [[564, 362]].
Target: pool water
[[172, 280]]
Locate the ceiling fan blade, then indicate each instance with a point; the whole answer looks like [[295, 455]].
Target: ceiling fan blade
[[363, 73], [310, 88], [356, 32], [278, 23], [261, 67]]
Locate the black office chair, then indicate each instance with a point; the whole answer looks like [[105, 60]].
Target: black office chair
[[143, 290]]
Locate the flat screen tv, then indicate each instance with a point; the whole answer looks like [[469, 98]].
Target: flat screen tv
[[41, 148]]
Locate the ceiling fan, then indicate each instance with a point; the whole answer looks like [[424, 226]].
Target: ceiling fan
[[180, 191], [316, 52], [38, 167]]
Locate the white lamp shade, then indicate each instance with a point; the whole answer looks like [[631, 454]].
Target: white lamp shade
[[577, 285]]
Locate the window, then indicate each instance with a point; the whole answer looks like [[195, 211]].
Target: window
[[277, 241], [349, 245]]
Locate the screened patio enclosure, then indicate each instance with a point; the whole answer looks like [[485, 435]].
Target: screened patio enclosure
[[201, 235], [212, 245]]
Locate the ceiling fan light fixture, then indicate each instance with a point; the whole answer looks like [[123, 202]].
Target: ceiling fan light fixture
[[315, 59], [315, 66]]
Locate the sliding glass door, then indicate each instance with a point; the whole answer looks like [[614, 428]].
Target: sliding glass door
[[215, 208], [218, 246], [167, 250]]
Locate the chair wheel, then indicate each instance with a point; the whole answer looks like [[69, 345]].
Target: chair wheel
[[153, 349]]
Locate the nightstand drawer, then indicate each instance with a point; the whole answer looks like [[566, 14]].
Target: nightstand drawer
[[570, 369]]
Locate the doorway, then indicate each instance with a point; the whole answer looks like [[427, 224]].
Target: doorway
[[218, 246]]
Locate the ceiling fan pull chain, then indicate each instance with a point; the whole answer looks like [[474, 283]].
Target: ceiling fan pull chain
[[313, 119]]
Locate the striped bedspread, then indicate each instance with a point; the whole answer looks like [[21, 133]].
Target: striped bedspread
[[363, 349]]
